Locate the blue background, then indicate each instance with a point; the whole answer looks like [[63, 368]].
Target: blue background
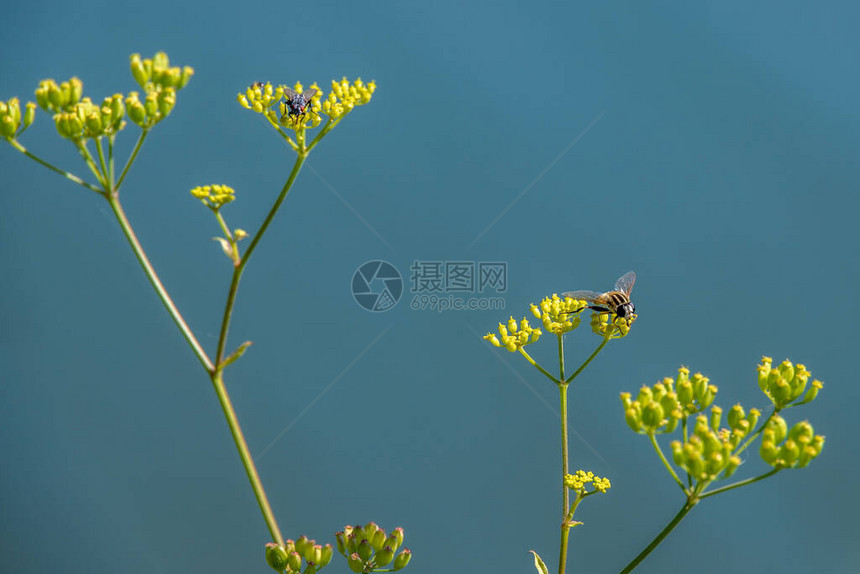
[[709, 146]]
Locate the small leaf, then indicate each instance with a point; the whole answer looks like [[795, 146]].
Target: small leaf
[[225, 245], [539, 565], [232, 357]]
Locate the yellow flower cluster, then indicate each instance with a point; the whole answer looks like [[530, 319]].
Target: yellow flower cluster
[[345, 96], [611, 326], [577, 481], [709, 450], [659, 408], [795, 448], [559, 315], [214, 196], [155, 74], [84, 119], [786, 383], [513, 336], [11, 121], [53, 97]]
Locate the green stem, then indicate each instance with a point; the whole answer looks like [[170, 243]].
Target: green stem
[[245, 454], [57, 170], [240, 266], [131, 158], [565, 469], [104, 171], [668, 466], [688, 506], [740, 483], [81, 145], [588, 360], [113, 200], [538, 367]]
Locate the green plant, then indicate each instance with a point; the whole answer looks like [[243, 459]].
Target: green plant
[[93, 128]]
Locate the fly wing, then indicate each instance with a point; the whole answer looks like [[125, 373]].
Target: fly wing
[[308, 94], [290, 93], [625, 283], [590, 296]]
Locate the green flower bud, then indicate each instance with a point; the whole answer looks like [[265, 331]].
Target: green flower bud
[[384, 556], [136, 111], [187, 72], [355, 563], [716, 417], [341, 542], [768, 451], [378, 540], [75, 91], [276, 557], [736, 416], [652, 416], [778, 428], [295, 561], [55, 96], [685, 393], [166, 101], [646, 395], [8, 127], [305, 547], [94, 124], [151, 106], [677, 452], [402, 559], [399, 535], [365, 550], [811, 393], [753, 417], [789, 453], [633, 418], [325, 556], [138, 70], [732, 466]]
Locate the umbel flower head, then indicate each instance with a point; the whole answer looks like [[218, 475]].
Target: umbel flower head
[[559, 315], [513, 336], [708, 451], [298, 109], [659, 408], [12, 123], [368, 547], [290, 556], [786, 383], [214, 196], [784, 448], [578, 481]]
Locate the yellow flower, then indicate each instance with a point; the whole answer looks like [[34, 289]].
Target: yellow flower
[[214, 196], [513, 336], [559, 315]]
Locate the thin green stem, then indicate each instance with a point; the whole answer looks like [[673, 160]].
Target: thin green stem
[[113, 200], [588, 360], [245, 454], [688, 506], [91, 162], [111, 173], [131, 158], [538, 367], [668, 466], [240, 266], [565, 469], [740, 483], [104, 170], [57, 170]]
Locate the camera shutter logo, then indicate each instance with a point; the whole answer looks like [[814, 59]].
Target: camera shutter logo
[[377, 286]]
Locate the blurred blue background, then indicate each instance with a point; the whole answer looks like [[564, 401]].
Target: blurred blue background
[[709, 146]]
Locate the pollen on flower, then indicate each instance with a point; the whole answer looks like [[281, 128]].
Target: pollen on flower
[[514, 336], [214, 196]]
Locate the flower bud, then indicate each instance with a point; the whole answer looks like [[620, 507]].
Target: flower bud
[[295, 561], [735, 416], [276, 557], [365, 550], [355, 563], [325, 556], [384, 556], [402, 559], [716, 417]]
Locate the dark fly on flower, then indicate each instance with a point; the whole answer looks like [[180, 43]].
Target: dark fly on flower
[[616, 301], [298, 105]]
